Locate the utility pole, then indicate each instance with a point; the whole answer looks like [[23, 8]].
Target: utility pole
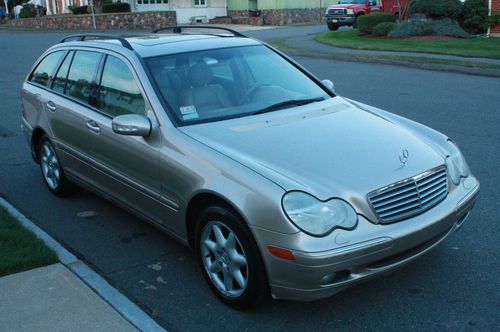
[[6, 7], [93, 13]]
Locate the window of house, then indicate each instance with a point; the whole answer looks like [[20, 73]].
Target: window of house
[[59, 83], [200, 3], [119, 92], [45, 70], [80, 80], [152, 2]]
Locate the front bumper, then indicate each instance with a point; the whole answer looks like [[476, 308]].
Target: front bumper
[[341, 19], [368, 251]]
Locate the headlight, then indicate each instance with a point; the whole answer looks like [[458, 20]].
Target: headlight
[[316, 217], [456, 164], [350, 11]]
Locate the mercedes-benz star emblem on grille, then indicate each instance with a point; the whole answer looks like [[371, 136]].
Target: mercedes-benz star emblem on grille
[[403, 157]]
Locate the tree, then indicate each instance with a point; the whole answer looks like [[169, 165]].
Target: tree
[[438, 9], [404, 9], [475, 16]]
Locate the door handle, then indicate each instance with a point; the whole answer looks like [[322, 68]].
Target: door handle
[[93, 127], [51, 106]]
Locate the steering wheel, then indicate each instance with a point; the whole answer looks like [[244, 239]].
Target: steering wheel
[[251, 92]]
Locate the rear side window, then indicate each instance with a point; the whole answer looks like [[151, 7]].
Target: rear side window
[[81, 75], [59, 83], [46, 68], [119, 93]]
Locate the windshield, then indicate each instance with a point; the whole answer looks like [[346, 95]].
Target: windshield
[[227, 83], [348, 2]]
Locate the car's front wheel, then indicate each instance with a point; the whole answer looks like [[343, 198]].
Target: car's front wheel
[[229, 258], [52, 170]]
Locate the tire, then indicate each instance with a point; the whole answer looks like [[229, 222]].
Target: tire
[[52, 171], [233, 268], [332, 27]]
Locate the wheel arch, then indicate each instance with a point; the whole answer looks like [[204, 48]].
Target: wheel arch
[[197, 204], [36, 136]]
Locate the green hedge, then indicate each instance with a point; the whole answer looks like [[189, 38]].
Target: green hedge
[[438, 9], [81, 10], [118, 7], [474, 16], [366, 23], [383, 29], [444, 27]]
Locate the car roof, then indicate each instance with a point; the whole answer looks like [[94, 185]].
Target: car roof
[[156, 44]]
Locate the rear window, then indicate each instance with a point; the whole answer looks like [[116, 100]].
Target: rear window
[[46, 68]]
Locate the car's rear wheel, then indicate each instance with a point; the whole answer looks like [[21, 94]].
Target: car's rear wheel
[[332, 26], [52, 170], [229, 258]]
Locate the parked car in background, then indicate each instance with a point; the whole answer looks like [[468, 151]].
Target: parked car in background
[[346, 12], [280, 185]]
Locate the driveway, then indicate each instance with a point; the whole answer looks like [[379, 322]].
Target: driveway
[[455, 287]]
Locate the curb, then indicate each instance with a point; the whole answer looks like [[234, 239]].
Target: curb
[[125, 307]]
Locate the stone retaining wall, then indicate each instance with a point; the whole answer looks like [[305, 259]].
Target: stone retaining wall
[[144, 20], [278, 16]]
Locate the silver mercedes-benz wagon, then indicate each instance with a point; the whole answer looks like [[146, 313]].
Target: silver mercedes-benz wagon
[[281, 186]]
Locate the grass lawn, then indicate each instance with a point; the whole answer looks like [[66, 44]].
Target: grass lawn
[[480, 47], [20, 249]]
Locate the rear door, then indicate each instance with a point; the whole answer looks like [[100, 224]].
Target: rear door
[[68, 109], [125, 167]]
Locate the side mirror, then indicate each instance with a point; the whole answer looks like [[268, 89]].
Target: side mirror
[[132, 125], [329, 85]]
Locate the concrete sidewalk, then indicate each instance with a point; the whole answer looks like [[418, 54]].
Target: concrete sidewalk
[[52, 298]]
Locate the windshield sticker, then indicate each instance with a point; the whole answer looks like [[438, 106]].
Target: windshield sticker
[[189, 112]]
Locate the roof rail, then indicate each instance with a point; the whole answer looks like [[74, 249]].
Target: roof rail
[[178, 29], [83, 36]]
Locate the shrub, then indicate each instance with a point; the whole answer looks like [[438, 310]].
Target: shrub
[[118, 7], [366, 23], [383, 29], [475, 16], [437, 9], [30, 10], [81, 10], [444, 27]]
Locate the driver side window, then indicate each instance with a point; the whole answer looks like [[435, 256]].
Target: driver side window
[[119, 92]]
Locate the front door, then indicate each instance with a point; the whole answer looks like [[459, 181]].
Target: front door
[[125, 167]]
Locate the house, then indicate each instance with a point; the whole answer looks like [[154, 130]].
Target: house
[[494, 8], [188, 11], [55, 7]]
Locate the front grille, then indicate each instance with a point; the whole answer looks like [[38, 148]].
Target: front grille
[[333, 12], [410, 197]]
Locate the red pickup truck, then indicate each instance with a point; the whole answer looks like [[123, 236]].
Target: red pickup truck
[[346, 12]]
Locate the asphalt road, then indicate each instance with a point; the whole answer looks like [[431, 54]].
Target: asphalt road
[[455, 287]]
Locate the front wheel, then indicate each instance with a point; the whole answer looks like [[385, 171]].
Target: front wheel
[[332, 27], [229, 258]]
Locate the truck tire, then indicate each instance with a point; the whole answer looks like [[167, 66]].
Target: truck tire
[[332, 27]]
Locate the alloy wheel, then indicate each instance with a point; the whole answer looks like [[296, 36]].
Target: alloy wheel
[[224, 259], [50, 166]]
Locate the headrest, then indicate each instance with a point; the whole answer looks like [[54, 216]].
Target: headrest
[[200, 74]]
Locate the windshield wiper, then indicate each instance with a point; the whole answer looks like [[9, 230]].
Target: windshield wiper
[[284, 104]]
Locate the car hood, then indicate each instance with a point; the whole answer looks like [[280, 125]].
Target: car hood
[[347, 6], [329, 149]]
